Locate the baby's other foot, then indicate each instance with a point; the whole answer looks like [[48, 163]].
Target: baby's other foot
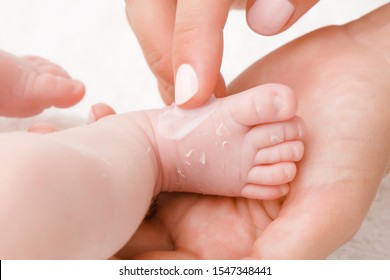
[[33, 84], [242, 145]]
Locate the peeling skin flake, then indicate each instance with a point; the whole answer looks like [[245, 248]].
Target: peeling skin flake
[[180, 173], [221, 129], [224, 143], [189, 153], [202, 158]]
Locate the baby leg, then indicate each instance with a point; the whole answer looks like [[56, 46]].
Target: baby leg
[[79, 193]]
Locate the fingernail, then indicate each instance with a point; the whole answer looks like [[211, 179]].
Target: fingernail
[[186, 84], [267, 17], [92, 116]]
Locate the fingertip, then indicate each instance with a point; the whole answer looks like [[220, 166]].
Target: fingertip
[[197, 50], [269, 17], [190, 92], [272, 17], [199, 100], [186, 84]]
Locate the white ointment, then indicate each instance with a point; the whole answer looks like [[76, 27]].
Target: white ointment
[[175, 123]]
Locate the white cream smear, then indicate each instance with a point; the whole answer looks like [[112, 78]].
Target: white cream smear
[[175, 123]]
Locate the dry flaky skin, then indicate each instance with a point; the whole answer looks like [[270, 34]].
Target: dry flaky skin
[[246, 140], [341, 75]]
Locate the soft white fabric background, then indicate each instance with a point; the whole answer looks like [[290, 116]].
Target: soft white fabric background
[[91, 39]]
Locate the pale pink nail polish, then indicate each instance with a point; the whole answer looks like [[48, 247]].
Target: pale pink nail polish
[[267, 17], [186, 84]]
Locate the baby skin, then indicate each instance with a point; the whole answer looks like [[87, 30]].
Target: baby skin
[[247, 144], [90, 186], [30, 84]]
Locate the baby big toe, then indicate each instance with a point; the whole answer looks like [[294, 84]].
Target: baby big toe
[[58, 91], [263, 104]]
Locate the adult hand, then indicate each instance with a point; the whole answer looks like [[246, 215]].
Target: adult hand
[[182, 40], [344, 93]]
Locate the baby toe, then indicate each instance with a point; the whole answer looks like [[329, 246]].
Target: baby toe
[[284, 152], [269, 181], [274, 174], [260, 192], [263, 136], [262, 104]]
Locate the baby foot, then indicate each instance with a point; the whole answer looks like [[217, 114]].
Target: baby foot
[[241, 145], [32, 84]]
